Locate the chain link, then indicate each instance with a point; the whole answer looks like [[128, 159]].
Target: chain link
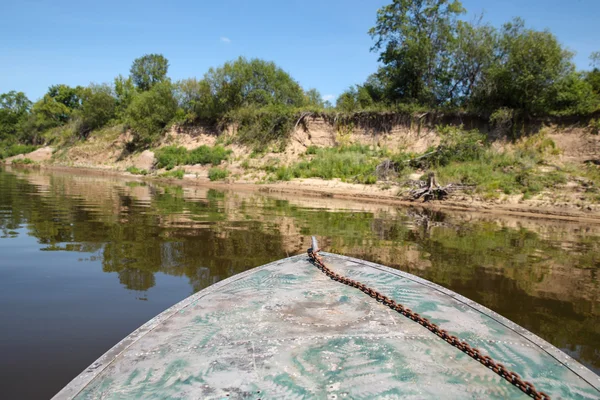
[[512, 377]]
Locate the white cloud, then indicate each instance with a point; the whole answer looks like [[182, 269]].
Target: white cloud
[[225, 39], [329, 97]]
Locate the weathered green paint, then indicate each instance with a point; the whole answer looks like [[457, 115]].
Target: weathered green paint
[[285, 330]]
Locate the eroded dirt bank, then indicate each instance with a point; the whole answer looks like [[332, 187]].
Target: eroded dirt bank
[[106, 153]]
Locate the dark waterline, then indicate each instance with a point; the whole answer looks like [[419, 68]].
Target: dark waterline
[[84, 260]]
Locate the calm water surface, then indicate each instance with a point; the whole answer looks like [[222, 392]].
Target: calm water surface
[[85, 260]]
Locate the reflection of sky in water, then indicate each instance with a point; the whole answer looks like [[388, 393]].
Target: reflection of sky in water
[[115, 254]]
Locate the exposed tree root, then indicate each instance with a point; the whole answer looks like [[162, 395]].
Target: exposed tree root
[[431, 190]]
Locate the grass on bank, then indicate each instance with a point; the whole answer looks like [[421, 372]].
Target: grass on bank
[[10, 150], [171, 156], [463, 157], [136, 171], [353, 163], [175, 173], [23, 161], [217, 174]]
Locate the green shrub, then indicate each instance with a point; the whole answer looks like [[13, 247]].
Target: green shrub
[[25, 161], [458, 145], [15, 149], [259, 127], [136, 171], [217, 174], [208, 155], [171, 156], [177, 173], [311, 150]]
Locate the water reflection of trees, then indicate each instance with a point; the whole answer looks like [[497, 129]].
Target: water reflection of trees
[[544, 281]]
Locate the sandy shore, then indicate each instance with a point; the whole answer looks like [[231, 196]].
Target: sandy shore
[[356, 192]]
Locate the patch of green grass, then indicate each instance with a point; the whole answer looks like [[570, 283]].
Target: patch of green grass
[[171, 156], [354, 163], [494, 173], [217, 174], [245, 164], [136, 171], [176, 173], [23, 161], [311, 149]]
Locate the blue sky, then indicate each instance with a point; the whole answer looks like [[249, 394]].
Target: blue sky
[[322, 44]]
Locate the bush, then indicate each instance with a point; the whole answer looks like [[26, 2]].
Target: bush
[[136, 171], [178, 173], [455, 145], [150, 112], [171, 156], [217, 174], [25, 161], [15, 149], [259, 127]]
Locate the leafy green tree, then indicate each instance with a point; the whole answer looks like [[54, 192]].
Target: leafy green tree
[[150, 112], [193, 98], [244, 83], [528, 65], [473, 52], [125, 92], [314, 98], [572, 95], [64, 94], [46, 113], [593, 76], [348, 101], [14, 107], [360, 97], [98, 107], [415, 38], [149, 70]]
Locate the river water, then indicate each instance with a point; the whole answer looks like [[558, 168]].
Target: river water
[[86, 259]]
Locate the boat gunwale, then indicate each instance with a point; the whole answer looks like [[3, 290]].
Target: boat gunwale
[[81, 381]]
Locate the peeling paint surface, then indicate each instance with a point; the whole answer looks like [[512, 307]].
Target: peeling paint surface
[[285, 330]]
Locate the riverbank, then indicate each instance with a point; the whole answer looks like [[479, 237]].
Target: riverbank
[[547, 174], [317, 188]]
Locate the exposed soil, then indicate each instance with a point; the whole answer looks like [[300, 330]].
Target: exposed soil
[[108, 153]]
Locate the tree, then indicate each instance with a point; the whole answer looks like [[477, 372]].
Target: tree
[[124, 91], [150, 112], [527, 67], [190, 95], [64, 94], [149, 70], [98, 107], [593, 76], [415, 39], [473, 52], [14, 107], [347, 101], [314, 98], [244, 83]]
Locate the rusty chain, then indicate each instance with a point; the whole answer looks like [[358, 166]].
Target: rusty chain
[[511, 376]]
